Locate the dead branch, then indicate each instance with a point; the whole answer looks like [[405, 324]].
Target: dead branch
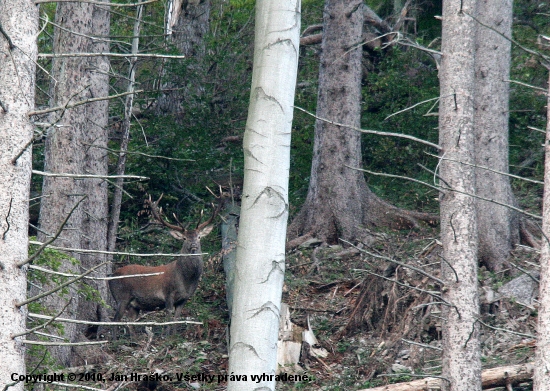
[[96, 2], [380, 133], [91, 323], [82, 102], [118, 55], [88, 176], [34, 298], [43, 343], [86, 251], [43, 245], [490, 378]]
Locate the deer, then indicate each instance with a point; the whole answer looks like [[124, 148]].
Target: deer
[[177, 282]]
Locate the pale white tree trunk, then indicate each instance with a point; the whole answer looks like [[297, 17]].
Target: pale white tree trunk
[[18, 52], [498, 226], [264, 212], [541, 377], [461, 353]]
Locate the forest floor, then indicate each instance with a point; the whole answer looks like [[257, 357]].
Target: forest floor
[[364, 322]]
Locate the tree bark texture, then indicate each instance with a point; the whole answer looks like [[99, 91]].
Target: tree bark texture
[[18, 54], [95, 139], [461, 348], [192, 23], [339, 203], [498, 226], [260, 265], [541, 378], [76, 145]]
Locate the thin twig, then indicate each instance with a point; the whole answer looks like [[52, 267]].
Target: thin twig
[[79, 103], [88, 176], [101, 54], [34, 298], [398, 263], [487, 168], [44, 270], [380, 133], [87, 251], [76, 321], [44, 325], [96, 2], [43, 343], [43, 245]]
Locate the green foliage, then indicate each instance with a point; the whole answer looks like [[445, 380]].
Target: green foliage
[[403, 78]]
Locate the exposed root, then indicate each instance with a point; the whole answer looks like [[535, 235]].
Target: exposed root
[[528, 233]]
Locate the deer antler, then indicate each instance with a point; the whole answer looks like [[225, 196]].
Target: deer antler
[[157, 214], [214, 214]]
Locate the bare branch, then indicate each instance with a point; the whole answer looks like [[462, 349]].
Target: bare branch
[[96, 2], [44, 325], [400, 135], [86, 251], [545, 91], [88, 176], [82, 102], [76, 321], [119, 55], [43, 245], [488, 169], [450, 189], [29, 342], [441, 282], [34, 298], [42, 269]]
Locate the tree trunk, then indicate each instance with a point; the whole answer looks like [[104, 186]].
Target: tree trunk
[[338, 202], [541, 378], [67, 150], [18, 56], [498, 226], [95, 138], [259, 271], [188, 23], [461, 348]]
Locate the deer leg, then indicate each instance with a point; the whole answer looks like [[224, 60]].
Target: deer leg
[[120, 311], [170, 308], [177, 312]]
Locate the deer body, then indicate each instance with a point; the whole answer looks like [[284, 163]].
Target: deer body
[[172, 288]]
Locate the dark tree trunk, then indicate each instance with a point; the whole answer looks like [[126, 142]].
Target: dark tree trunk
[[192, 23], [339, 203]]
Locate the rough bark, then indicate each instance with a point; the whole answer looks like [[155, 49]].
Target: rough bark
[[542, 354], [339, 202], [259, 270], [461, 348], [18, 53], [68, 150], [192, 23], [498, 225], [95, 138]]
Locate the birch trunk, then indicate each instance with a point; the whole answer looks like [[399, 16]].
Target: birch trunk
[[461, 349], [541, 378], [262, 231], [18, 53]]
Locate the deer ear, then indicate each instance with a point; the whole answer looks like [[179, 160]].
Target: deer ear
[[206, 230], [178, 235]]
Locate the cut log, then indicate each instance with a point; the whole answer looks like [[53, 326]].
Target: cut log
[[490, 378]]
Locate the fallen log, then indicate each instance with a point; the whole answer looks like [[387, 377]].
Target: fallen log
[[490, 378]]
